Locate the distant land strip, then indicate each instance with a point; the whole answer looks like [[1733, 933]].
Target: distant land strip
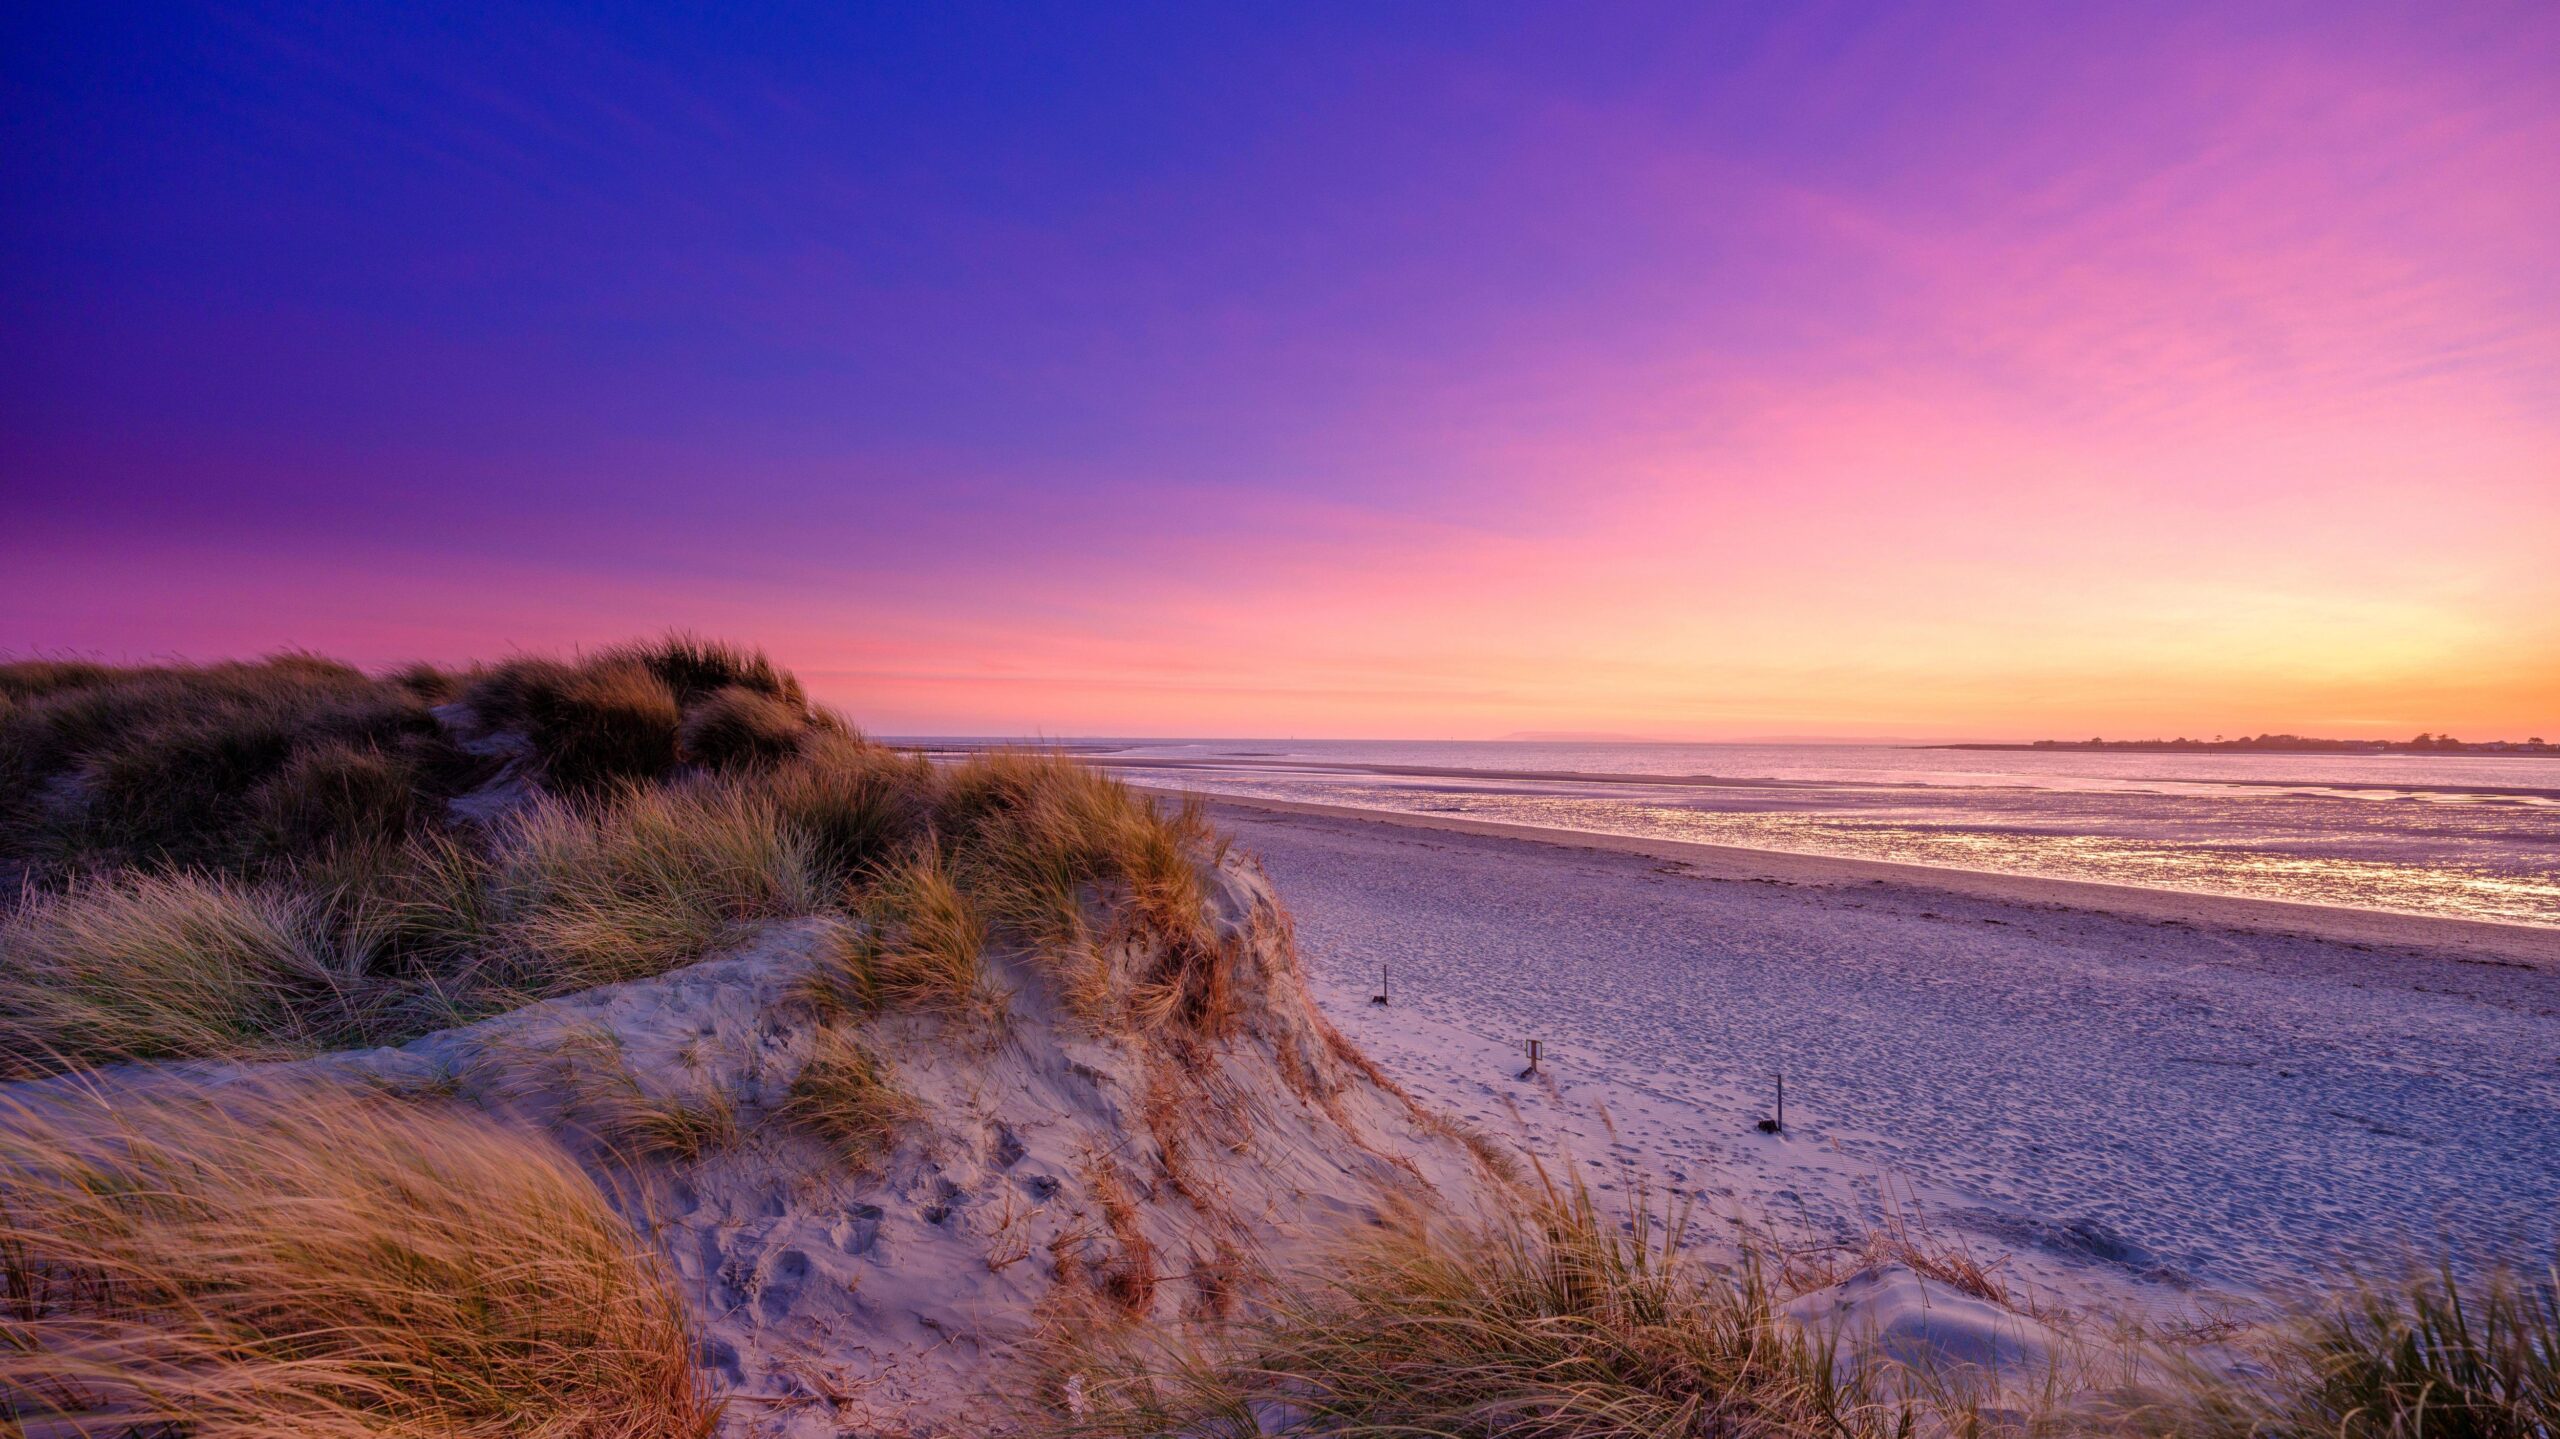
[[2429, 744]]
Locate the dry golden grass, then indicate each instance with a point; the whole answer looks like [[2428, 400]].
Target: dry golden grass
[[263, 1262], [652, 878], [845, 1093], [153, 967], [1050, 847], [922, 946], [373, 921], [739, 728], [2430, 1354], [858, 804], [1563, 1322], [334, 793], [600, 1098], [1904, 1237], [605, 724], [693, 666]]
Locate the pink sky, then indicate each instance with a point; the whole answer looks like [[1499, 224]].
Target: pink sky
[[1994, 374]]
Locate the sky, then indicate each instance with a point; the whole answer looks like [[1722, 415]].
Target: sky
[[1378, 370]]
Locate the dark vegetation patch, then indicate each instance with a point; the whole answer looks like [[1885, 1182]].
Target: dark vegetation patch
[[259, 858], [235, 767]]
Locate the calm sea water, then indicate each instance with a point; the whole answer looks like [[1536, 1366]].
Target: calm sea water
[[2472, 837]]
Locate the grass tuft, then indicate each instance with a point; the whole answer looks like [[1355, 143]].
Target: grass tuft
[[167, 967], [189, 765], [602, 726], [2432, 1355], [924, 944], [1562, 1322], [694, 667], [857, 803], [740, 728], [263, 1260], [649, 879], [1049, 844], [845, 1094], [335, 793], [324, 792], [608, 1100]]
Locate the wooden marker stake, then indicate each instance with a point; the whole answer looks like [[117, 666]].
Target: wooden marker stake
[[1779, 1124]]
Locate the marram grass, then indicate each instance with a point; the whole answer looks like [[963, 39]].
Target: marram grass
[[270, 1260]]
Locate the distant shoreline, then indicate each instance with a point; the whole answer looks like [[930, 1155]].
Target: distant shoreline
[[2499, 749], [2473, 940]]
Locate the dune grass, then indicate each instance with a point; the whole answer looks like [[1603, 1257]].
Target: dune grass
[[739, 728], [635, 712], [1564, 1321], [2429, 1355], [922, 946], [685, 792], [694, 667], [333, 794], [1048, 846], [169, 967], [23, 680], [307, 1261], [845, 1094], [227, 766], [651, 878], [858, 804], [602, 1097], [592, 725]]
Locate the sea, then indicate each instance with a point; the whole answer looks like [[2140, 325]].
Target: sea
[[2473, 837]]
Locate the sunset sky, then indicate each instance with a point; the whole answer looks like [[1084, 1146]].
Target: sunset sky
[[1696, 371]]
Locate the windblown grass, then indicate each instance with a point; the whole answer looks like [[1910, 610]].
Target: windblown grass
[[740, 728], [334, 793], [265, 1261], [2430, 1356], [602, 1096], [693, 667], [844, 1093], [1564, 1322], [857, 803], [922, 946], [212, 765], [592, 726], [1048, 846], [153, 967], [686, 791], [35, 679], [634, 712], [601, 893]]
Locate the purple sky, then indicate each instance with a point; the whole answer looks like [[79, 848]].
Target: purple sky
[[1360, 369]]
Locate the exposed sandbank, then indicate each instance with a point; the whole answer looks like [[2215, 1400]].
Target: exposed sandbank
[[2479, 941]]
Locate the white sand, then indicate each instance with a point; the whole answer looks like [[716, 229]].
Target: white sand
[[2140, 1097]]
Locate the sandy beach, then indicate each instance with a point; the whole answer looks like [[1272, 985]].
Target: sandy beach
[[2134, 1095]]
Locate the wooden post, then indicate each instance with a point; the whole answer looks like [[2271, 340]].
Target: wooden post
[[1532, 1070], [1381, 996], [1777, 1125]]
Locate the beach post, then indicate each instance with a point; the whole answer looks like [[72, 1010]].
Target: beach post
[[1381, 996], [1779, 1124], [1533, 1060]]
